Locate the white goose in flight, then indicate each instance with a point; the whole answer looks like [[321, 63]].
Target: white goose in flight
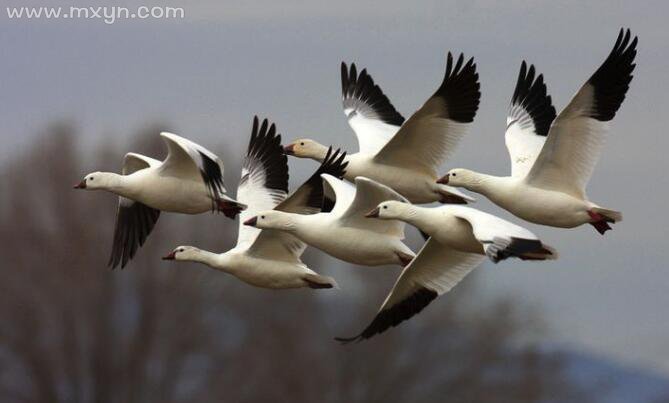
[[551, 189], [188, 181], [345, 232], [266, 258], [460, 238], [405, 155]]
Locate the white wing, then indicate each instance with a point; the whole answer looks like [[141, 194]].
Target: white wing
[[530, 116], [433, 272], [369, 112], [576, 137], [368, 195], [134, 220], [500, 238], [188, 160], [307, 199], [264, 182], [431, 134], [133, 162], [344, 193]]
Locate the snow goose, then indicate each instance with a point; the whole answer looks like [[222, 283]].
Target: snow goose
[[551, 190], [460, 238], [344, 232], [189, 181], [266, 258], [405, 155]]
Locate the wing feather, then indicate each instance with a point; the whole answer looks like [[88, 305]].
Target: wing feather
[[433, 272], [134, 220], [432, 133], [530, 114], [368, 110], [576, 137], [264, 180]]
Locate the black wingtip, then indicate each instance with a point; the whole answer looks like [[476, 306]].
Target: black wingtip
[[133, 225], [333, 164], [361, 88], [500, 249], [460, 89], [348, 340], [394, 315], [612, 79], [532, 96], [265, 148]]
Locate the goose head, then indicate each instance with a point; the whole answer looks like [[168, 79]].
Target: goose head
[[458, 177], [271, 219], [306, 148], [183, 253], [389, 210], [96, 180]]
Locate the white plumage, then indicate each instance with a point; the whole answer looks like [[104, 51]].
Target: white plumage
[[405, 155], [552, 191], [460, 238]]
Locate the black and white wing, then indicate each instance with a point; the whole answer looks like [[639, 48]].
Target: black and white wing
[[431, 134], [530, 115], [307, 199], [368, 195], [576, 136], [368, 110], [502, 239], [188, 160], [264, 182], [433, 272], [310, 198], [134, 220]]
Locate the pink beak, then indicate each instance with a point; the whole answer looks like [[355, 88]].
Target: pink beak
[[289, 149], [170, 256], [80, 185], [444, 179], [251, 221], [373, 214]]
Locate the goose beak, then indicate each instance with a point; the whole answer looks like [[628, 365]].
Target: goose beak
[[251, 221], [171, 256], [373, 214], [80, 185], [289, 149], [444, 179]]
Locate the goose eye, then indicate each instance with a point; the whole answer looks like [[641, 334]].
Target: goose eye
[[262, 216], [92, 178], [453, 174], [302, 143], [181, 250], [385, 206]]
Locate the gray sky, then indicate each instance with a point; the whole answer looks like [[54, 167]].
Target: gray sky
[[208, 74]]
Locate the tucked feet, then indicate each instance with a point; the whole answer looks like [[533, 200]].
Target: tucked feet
[[230, 209], [600, 222]]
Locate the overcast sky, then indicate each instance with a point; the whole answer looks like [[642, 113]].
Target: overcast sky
[[208, 74]]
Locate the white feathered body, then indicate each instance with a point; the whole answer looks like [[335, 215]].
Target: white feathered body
[[166, 193], [260, 271], [417, 187], [537, 205], [350, 244]]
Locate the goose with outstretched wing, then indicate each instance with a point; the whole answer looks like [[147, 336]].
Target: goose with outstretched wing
[[188, 181], [460, 238], [405, 155], [549, 187]]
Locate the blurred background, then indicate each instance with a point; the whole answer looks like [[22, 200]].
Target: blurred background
[[79, 94]]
